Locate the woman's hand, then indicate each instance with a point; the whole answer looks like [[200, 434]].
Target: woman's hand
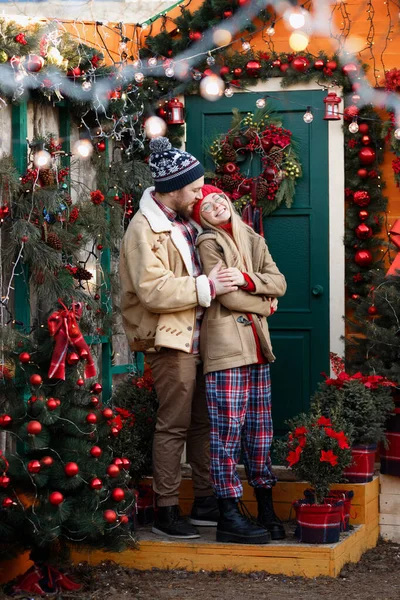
[[231, 275]]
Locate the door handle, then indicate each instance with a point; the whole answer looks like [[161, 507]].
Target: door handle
[[317, 290]]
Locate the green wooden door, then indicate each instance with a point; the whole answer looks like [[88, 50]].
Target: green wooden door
[[297, 238]]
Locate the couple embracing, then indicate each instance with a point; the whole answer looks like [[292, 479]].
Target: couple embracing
[[197, 287]]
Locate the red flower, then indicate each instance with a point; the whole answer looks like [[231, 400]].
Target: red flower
[[328, 457], [300, 431], [342, 440], [116, 422], [96, 197], [324, 422], [302, 441], [294, 456]]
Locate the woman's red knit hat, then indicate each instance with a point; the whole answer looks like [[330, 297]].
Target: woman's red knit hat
[[206, 189]]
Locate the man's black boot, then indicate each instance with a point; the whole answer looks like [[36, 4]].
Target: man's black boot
[[205, 511], [266, 514], [233, 526], [169, 522]]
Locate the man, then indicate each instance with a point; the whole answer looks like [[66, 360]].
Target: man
[[164, 296]]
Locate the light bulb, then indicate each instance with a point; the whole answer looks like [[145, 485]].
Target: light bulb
[[353, 127], [83, 147], [296, 17], [154, 127], [308, 117], [136, 64], [139, 77], [271, 31], [396, 133], [86, 86], [228, 92], [144, 26], [246, 46], [41, 159], [169, 72], [298, 41], [260, 103], [152, 62], [222, 37], [212, 87], [210, 60], [196, 75]]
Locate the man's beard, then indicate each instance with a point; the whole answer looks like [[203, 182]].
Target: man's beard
[[185, 212]]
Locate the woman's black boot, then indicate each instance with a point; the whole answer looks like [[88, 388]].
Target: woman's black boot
[[266, 514], [233, 526]]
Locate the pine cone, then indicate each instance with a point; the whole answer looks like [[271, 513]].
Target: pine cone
[[228, 153], [47, 177], [251, 134], [262, 189], [54, 241], [82, 274], [227, 182]]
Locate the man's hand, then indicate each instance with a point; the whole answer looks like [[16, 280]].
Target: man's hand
[[221, 286], [231, 275]]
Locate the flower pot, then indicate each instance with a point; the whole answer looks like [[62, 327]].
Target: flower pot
[[318, 523], [362, 468], [346, 496], [390, 456]]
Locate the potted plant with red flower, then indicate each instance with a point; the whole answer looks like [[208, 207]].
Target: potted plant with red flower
[[317, 450]]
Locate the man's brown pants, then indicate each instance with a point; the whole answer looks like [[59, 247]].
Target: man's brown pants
[[182, 417]]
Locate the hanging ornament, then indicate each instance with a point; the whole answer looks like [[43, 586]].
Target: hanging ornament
[[227, 14], [284, 67], [4, 481], [51, 404], [350, 113], [5, 421], [46, 461], [73, 358], [126, 463], [353, 127], [367, 155], [363, 258], [361, 198], [7, 502], [276, 63], [110, 516], [118, 494], [84, 354], [364, 128], [355, 98], [319, 64], [74, 72], [34, 63], [365, 140], [35, 379], [114, 431], [332, 102], [175, 112], [372, 310], [80, 382], [300, 64], [195, 36], [34, 428], [113, 470], [224, 71], [101, 146], [56, 498], [108, 413], [96, 451], [253, 68], [363, 232], [71, 469], [96, 484], [362, 173], [94, 401], [117, 461], [24, 357], [363, 215], [331, 65], [350, 69], [355, 297], [210, 60], [34, 466], [237, 72], [96, 388], [91, 418]]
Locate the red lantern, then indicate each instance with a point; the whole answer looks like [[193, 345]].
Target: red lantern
[[24, 357], [73, 358], [96, 484], [34, 63], [363, 214], [56, 498], [332, 102], [110, 516], [253, 68], [96, 388], [46, 461], [367, 155], [175, 112], [101, 146], [118, 494], [350, 69], [36, 379], [71, 469], [34, 428], [363, 232], [51, 404], [34, 466], [96, 451], [300, 64], [113, 470], [319, 64], [363, 258], [108, 413], [91, 418]]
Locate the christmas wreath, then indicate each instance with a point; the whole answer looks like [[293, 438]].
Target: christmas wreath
[[259, 133]]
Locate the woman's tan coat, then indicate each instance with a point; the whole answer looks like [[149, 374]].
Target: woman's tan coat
[[227, 339]]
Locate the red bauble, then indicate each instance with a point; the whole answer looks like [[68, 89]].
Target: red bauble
[[367, 155], [74, 72], [269, 173], [101, 146], [84, 354], [331, 65], [73, 358], [363, 258], [245, 188], [363, 214], [91, 418], [34, 428], [32, 399], [123, 519], [51, 404], [5, 420], [34, 63], [350, 112], [118, 494], [110, 516], [96, 388], [126, 463], [372, 310], [361, 198], [319, 64], [161, 112], [114, 431], [96, 483], [224, 71], [71, 469], [96, 451], [355, 98], [94, 401], [363, 128], [363, 232], [113, 470], [355, 296], [243, 2], [195, 36], [276, 63], [230, 167], [80, 382], [24, 357], [108, 413], [34, 466], [350, 69], [4, 481], [253, 68], [363, 173], [300, 64], [46, 461], [56, 498], [35, 379], [227, 14], [7, 502], [117, 461], [237, 72], [284, 67], [365, 140]]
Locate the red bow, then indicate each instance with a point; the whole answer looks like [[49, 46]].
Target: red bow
[[64, 328], [395, 239]]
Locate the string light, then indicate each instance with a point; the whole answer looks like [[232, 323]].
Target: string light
[[308, 117], [271, 30], [396, 133], [139, 77], [228, 92], [296, 17], [83, 147], [353, 127], [169, 72], [222, 37], [41, 159], [152, 62], [210, 60], [260, 103], [246, 46], [212, 87], [86, 86], [154, 127], [298, 41]]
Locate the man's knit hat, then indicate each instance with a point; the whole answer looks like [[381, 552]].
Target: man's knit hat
[[205, 190], [172, 169]]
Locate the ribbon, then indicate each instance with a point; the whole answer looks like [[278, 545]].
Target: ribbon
[[395, 239], [252, 214], [63, 326]]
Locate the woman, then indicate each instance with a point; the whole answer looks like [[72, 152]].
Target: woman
[[236, 352]]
